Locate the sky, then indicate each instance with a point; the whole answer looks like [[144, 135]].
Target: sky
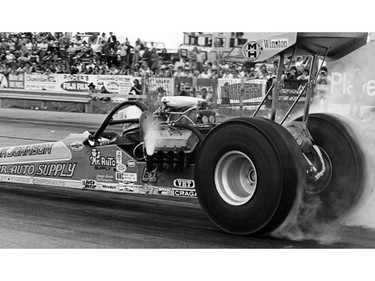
[[171, 39]]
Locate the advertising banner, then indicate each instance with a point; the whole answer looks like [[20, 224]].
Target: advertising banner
[[41, 82], [229, 91], [16, 81], [115, 84], [160, 86], [202, 88], [352, 78]]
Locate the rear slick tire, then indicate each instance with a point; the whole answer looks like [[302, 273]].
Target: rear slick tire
[[345, 184], [248, 175]]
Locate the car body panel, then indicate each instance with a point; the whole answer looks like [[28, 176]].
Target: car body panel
[[72, 164]]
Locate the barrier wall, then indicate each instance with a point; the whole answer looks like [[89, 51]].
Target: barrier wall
[[238, 91], [116, 84]]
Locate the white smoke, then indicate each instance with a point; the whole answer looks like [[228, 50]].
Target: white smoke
[[151, 136], [301, 223]]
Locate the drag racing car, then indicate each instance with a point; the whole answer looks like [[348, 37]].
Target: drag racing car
[[251, 175]]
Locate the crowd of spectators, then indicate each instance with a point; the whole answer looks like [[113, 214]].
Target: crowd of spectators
[[103, 54]]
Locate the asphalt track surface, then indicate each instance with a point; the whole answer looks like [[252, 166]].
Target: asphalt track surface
[[35, 217]]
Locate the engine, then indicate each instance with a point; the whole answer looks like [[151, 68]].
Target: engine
[[170, 147], [173, 136]]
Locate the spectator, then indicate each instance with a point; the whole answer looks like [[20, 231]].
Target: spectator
[[225, 94], [3, 81], [292, 74], [186, 73], [136, 89], [154, 60], [137, 49], [145, 70], [71, 51], [146, 57], [9, 57], [227, 74], [214, 74], [178, 73], [322, 89], [103, 37], [205, 74], [42, 47], [122, 53], [304, 76], [112, 40], [200, 60], [193, 57], [136, 70], [128, 59]]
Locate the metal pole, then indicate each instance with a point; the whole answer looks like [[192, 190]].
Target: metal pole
[[276, 90], [294, 104], [263, 100], [310, 88]]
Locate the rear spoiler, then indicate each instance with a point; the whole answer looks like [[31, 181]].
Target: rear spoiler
[[262, 46]]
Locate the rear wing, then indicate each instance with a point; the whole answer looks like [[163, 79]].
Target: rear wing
[[262, 46]]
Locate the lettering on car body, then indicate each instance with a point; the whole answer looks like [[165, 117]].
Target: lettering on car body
[[184, 183], [184, 193], [88, 184]]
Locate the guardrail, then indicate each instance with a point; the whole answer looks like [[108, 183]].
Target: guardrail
[[45, 96]]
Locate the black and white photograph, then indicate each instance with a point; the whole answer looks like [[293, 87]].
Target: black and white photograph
[[180, 140]]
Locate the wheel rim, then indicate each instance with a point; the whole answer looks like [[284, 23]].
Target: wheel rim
[[315, 187], [235, 178]]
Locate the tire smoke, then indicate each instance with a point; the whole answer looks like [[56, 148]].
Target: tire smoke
[[303, 222]]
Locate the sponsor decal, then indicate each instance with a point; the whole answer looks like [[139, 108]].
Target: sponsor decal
[[150, 176], [51, 182], [147, 189], [118, 157], [121, 168], [184, 193], [126, 187], [129, 187], [75, 86], [76, 146], [64, 170], [38, 149], [112, 86], [101, 162], [252, 50], [131, 163], [108, 186], [273, 44], [164, 190], [88, 184], [127, 177], [41, 78], [104, 178], [184, 183], [76, 77], [19, 180], [43, 152]]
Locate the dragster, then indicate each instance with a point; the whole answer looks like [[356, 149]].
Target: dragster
[[250, 174]]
